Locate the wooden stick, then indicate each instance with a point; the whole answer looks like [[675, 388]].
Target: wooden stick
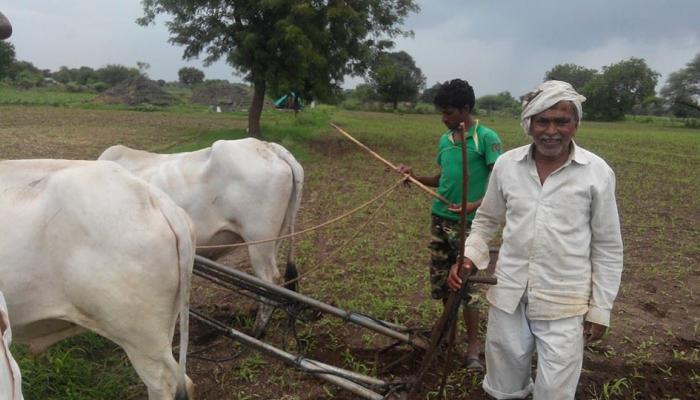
[[392, 166]]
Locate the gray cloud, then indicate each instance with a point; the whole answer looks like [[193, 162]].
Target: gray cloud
[[496, 44], [509, 45]]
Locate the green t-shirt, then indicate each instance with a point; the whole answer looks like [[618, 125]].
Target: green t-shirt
[[449, 158]]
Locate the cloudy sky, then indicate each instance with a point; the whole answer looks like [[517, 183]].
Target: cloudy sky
[[495, 44]]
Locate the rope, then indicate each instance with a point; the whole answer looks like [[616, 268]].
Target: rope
[[335, 252], [313, 228]]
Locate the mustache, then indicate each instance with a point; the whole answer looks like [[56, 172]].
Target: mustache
[[556, 136]]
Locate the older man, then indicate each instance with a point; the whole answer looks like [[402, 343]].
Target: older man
[[560, 262]]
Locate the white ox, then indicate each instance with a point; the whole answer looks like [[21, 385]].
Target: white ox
[[87, 245], [10, 377], [235, 190]]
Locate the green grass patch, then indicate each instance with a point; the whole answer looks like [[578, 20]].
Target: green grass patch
[[86, 367], [42, 97]]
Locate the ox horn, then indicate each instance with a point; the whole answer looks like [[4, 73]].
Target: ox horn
[[5, 27]]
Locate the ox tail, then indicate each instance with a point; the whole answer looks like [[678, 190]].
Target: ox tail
[[291, 273], [181, 225]]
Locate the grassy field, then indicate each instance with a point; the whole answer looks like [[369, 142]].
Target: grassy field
[[375, 262]]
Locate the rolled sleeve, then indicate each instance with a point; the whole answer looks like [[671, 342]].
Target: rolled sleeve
[[598, 315], [487, 222], [477, 250]]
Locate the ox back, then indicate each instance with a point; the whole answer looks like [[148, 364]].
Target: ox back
[[236, 190], [86, 245]]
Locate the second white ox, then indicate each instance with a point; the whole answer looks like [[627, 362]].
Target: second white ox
[[87, 245], [235, 190]]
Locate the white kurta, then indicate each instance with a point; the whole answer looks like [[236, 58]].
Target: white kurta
[[561, 260], [10, 378], [561, 240]]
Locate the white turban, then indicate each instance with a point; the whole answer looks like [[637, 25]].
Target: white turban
[[545, 96]]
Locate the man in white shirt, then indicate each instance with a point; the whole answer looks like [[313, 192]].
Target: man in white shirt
[[10, 378], [560, 263]]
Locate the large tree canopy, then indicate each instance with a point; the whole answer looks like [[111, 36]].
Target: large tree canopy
[[428, 95], [682, 90], [576, 75], [619, 88], [190, 75], [395, 77], [304, 45]]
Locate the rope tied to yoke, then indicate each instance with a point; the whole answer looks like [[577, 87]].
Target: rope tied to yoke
[[313, 228]]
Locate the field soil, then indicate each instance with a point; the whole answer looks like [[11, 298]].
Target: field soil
[[376, 260]]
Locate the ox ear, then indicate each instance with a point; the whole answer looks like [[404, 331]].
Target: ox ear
[[5, 27]]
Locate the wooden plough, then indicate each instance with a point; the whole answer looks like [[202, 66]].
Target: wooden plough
[[364, 386]]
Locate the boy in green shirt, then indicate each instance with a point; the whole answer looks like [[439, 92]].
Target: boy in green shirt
[[455, 100]]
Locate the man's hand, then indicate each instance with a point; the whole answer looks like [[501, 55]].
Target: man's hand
[[454, 282], [593, 331], [405, 169]]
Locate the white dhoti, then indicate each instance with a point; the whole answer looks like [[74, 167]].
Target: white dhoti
[[511, 340], [10, 378]]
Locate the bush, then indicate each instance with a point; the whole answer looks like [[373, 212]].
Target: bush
[[100, 87], [692, 123], [424, 108], [72, 87], [351, 104]]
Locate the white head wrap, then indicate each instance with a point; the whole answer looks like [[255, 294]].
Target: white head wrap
[[545, 96]]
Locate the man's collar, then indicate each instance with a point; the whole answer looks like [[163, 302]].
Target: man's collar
[[467, 136], [577, 154]]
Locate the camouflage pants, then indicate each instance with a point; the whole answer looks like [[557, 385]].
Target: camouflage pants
[[444, 250]]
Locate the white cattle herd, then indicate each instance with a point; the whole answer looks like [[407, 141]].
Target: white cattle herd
[[91, 245]]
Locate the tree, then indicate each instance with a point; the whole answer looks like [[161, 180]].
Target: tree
[[7, 58], [143, 66], [619, 88], [114, 73], [428, 95], [395, 77], [364, 93], [682, 90], [190, 75], [503, 101], [304, 45], [25, 74], [63, 75], [576, 75], [85, 75]]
